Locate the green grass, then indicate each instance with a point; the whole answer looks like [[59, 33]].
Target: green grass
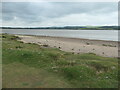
[[31, 65], [109, 45]]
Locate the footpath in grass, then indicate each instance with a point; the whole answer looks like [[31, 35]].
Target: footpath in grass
[[31, 65]]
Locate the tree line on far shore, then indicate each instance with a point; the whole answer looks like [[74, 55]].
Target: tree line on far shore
[[70, 27]]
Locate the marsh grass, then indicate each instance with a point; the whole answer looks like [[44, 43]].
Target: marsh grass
[[57, 68], [108, 45]]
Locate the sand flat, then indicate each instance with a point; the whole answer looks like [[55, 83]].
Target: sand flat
[[75, 45]]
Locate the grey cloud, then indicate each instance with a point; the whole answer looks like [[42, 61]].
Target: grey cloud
[[38, 12]]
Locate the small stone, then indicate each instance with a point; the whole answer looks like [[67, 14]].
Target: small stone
[[112, 67], [106, 77]]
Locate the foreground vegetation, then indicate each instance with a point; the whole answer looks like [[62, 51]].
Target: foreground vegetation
[[31, 65]]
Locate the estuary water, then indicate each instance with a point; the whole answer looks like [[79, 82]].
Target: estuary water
[[111, 35]]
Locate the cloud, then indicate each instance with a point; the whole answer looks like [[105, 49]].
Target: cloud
[[58, 13]]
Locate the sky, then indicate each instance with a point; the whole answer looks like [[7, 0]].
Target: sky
[[44, 14]]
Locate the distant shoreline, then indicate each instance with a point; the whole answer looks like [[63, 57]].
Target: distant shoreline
[[69, 27], [60, 29]]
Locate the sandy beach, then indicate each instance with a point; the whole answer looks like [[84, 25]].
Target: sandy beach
[[75, 45]]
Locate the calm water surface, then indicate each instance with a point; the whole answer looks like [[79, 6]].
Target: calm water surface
[[111, 35]]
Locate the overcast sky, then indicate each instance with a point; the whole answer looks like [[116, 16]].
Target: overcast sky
[[59, 13]]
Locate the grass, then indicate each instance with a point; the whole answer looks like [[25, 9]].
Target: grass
[[108, 45], [30, 65]]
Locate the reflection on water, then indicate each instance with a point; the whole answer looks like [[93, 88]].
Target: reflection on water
[[87, 34]]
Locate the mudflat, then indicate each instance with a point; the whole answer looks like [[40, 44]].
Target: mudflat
[[75, 45]]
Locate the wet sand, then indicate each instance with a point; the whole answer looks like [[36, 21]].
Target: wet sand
[[75, 45]]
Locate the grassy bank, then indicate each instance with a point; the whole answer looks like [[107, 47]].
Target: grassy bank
[[31, 65]]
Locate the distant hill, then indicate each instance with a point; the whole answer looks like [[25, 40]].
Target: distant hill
[[70, 27]]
